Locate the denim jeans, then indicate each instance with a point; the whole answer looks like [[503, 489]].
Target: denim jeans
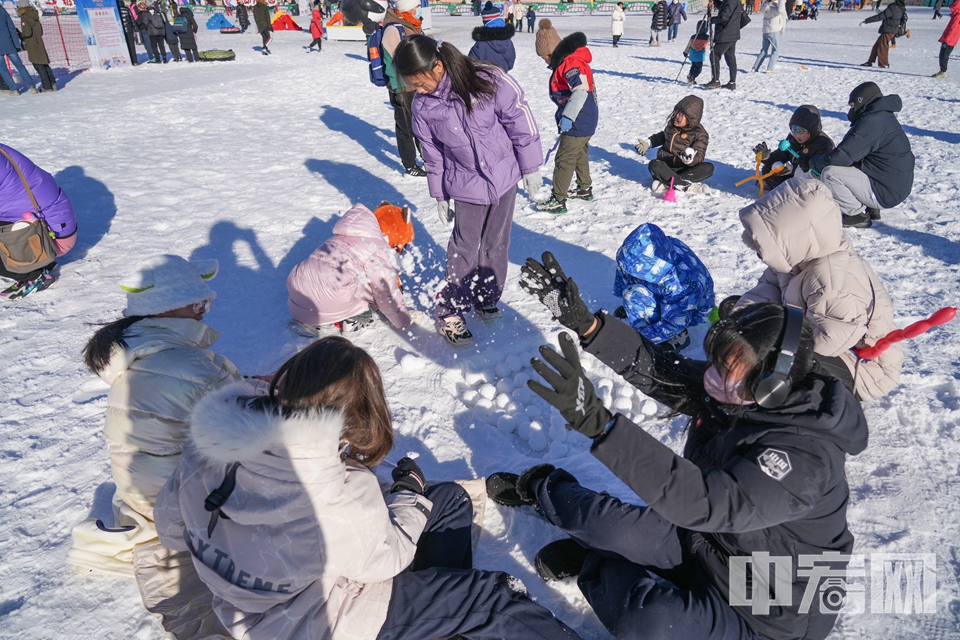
[[770, 47], [21, 69], [672, 31]]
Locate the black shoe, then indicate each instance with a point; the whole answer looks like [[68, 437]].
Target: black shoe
[[561, 559], [873, 213], [676, 343], [713, 84], [867, 64], [490, 312], [730, 85], [859, 221], [726, 307], [512, 490], [581, 194], [620, 312], [416, 171], [553, 206]]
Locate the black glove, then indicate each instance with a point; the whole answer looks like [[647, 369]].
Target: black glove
[[557, 292], [762, 149], [408, 477], [572, 392]]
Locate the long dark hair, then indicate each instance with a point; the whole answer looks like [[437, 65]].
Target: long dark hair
[[96, 355], [332, 373], [469, 79]]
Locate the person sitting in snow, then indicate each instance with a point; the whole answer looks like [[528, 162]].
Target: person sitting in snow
[[664, 286], [811, 264], [493, 44], [806, 139], [683, 148], [351, 275]]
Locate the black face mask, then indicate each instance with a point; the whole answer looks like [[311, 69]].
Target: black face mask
[[852, 115]]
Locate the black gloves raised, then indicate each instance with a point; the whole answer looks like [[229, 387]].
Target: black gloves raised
[[557, 292], [408, 477], [572, 393], [762, 149]]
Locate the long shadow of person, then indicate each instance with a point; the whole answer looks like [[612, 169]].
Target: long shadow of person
[[94, 205], [378, 142], [933, 246]]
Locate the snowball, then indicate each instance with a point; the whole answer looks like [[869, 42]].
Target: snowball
[[470, 397], [625, 391], [533, 412], [503, 370], [648, 408], [557, 421], [514, 362], [523, 429], [473, 378], [623, 405], [412, 364], [483, 406], [506, 424], [502, 401], [520, 379], [557, 450], [522, 395], [506, 386], [586, 364], [488, 391], [605, 383], [494, 416], [558, 431], [537, 439], [512, 407]]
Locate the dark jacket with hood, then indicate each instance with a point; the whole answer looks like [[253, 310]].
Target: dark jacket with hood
[[31, 32], [571, 85], [126, 18], [661, 16], [808, 117], [261, 15], [727, 22], [188, 39], [673, 141], [877, 145], [767, 480], [243, 16], [890, 16], [156, 22], [494, 45]]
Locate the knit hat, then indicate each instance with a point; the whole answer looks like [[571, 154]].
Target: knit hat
[[164, 283], [406, 6], [395, 223], [496, 23], [23, 3], [547, 38], [859, 98], [489, 13], [808, 117]]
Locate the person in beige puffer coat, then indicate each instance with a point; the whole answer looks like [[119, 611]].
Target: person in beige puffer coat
[[797, 231], [277, 504]]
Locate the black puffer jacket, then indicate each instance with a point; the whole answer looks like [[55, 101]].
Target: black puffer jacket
[[673, 141], [727, 22], [877, 145], [808, 117], [126, 18], [890, 16], [661, 16], [768, 481], [188, 40]]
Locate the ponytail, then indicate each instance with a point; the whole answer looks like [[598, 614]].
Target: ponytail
[[469, 79]]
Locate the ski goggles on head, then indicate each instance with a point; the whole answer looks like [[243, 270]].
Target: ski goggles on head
[[203, 306], [797, 130]]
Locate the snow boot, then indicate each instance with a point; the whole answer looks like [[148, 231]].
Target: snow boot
[[713, 84], [873, 213], [859, 221], [553, 206], [489, 312], [512, 490], [866, 64], [730, 85], [939, 74], [455, 331], [561, 559], [658, 187], [25, 287], [580, 193]]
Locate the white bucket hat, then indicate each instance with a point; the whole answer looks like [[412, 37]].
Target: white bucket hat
[[164, 283]]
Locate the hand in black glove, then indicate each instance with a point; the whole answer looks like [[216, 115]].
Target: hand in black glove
[[557, 292], [762, 149], [408, 477], [572, 392]]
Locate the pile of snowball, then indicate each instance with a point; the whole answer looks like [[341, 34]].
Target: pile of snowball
[[502, 399]]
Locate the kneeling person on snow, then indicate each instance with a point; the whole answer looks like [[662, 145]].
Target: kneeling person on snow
[[683, 148], [806, 139], [351, 275], [572, 90]]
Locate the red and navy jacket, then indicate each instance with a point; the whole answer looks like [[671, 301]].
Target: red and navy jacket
[[571, 69]]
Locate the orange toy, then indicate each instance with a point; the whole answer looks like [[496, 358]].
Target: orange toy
[[396, 224]]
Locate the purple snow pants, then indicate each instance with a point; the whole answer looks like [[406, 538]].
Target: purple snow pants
[[477, 256]]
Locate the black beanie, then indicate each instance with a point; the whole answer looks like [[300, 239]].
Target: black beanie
[[808, 117], [859, 98]]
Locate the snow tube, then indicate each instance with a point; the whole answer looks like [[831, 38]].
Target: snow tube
[[283, 22], [217, 21], [217, 55], [335, 20], [230, 30]]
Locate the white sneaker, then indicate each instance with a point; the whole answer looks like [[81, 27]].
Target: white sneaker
[[658, 187], [697, 187], [770, 71]]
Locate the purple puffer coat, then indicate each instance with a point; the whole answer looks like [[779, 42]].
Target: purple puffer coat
[[476, 158], [54, 204]]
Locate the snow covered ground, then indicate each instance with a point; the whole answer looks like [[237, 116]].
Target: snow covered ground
[[251, 162]]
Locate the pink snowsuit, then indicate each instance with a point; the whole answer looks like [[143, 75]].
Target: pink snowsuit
[[347, 274]]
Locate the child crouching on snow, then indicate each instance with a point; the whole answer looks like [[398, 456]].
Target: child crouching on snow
[[683, 148], [696, 50], [806, 139], [350, 275], [664, 286]]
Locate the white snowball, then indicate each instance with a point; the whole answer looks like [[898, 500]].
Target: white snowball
[[512, 407], [537, 439], [623, 405], [483, 406], [522, 395], [533, 412], [412, 364], [520, 380], [502, 401], [648, 408], [605, 383], [494, 416], [625, 391], [506, 424], [557, 421], [515, 362], [558, 431], [557, 450], [506, 386], [473, 378], [503, 370], [470, 397], [523, 429], [488, 391], [586, 363]]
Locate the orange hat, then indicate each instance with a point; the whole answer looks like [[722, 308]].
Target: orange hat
[[396, 224]]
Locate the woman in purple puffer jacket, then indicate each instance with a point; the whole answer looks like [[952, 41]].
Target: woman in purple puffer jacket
[[478, 138], [16, 206]]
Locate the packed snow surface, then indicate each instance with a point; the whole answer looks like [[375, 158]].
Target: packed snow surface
[[251, 162]]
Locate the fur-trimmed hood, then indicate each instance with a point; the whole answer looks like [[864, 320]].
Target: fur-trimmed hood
[[568, 45], [486, 34]]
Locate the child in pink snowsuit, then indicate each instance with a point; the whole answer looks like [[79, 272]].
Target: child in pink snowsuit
[[350, 275]]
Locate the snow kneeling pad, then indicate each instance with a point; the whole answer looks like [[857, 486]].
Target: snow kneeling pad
[[217, 55], [230, 30]]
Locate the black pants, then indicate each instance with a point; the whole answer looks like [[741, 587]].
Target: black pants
[[46, 76], [630, 545], [131, 47], [175, 49], [682, 175], [318, 42], [945, 51], [159, 48], [441, 595], [191, 54], [616, 40], [407, 144], [529, 26], [267, 35], [728, 51]]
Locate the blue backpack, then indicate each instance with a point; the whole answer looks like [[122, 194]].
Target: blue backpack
[[378, 74]]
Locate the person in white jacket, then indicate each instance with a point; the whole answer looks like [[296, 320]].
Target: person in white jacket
[[774, 25], [277, 504], [616, 24]]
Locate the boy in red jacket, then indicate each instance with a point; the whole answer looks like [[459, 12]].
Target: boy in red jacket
[[316, 30]]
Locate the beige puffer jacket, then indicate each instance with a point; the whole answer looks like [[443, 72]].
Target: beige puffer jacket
[[311, 545], [154, 384], [797, 231]]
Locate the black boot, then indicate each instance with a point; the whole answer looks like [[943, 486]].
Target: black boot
[[859, 221], [512, 490], [561, 559], [873, 213]]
